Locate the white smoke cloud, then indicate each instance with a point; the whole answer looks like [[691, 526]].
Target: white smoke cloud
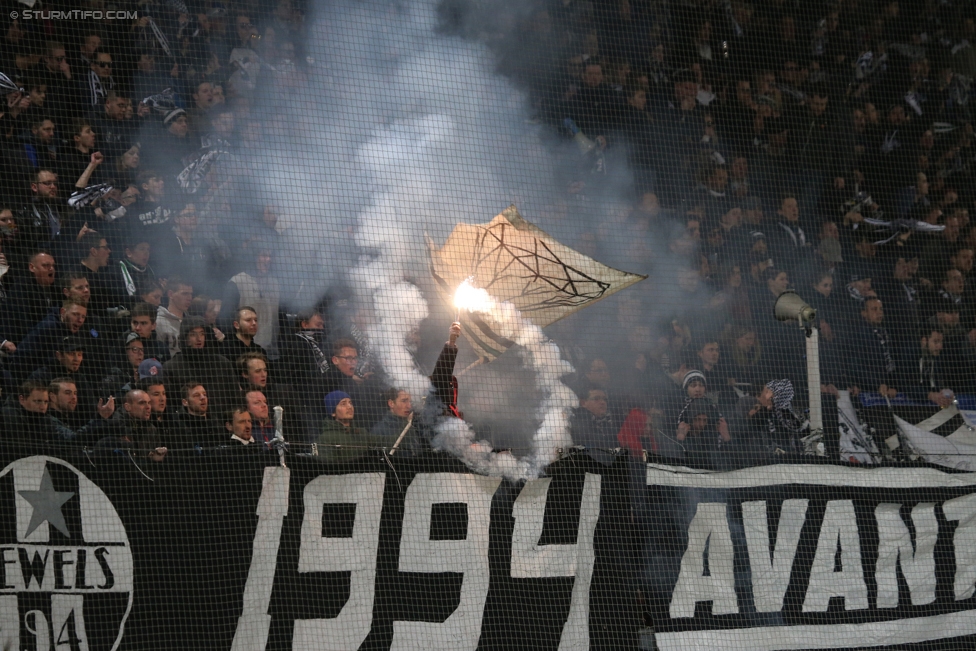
[[399, 161], [403, 132], [543, 358]]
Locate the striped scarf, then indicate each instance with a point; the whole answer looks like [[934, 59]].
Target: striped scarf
[[885, 342], [320, 359], [786, 417], [98, 88]]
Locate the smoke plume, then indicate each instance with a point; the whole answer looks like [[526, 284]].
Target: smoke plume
[[403, 130], [543, 359]]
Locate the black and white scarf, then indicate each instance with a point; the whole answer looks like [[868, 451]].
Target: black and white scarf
[[911, 292], [885, 342], [796, 234], [365, 352], [783, 411], [320, 359], [99, 88], [130, 271], [44, 214], [926, 372], [955, 299], [856, 295]]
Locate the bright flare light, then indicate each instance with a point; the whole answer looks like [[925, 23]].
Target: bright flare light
[[470, 298]]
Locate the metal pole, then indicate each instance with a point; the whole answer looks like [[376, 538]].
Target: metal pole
[[279, 439], [813, 379]]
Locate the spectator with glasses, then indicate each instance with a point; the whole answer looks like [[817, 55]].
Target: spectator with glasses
[[96, 255], [342, 376], [99, 81], [45, 223], [246, 32]]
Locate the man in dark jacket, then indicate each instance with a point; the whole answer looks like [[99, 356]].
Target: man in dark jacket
[[30, 298], [62, 411], [399, 420], [162, 415], [25, 416], [595, 107], [899, 291], [166, 147], [197, 363], [114, 124], [95, 257], [237, 422], [924, 376], [132, 432], [68, 362], [42, 221], [304, 359], [241, 341], [194, 423], [788, 242], [593, 426], [132, 276], [873, 365], [182, 249], [37, 348], [813, 139]]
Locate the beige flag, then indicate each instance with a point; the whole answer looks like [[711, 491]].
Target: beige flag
[[517, 262]]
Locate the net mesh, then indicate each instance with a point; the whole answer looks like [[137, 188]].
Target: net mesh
[[457, 324]]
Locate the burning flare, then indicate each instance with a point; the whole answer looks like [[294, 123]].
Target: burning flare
[[541, 356], [470, 298]]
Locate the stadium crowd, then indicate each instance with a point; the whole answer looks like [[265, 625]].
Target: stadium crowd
[[825, 147]]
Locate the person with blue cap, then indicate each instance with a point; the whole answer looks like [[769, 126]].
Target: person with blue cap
[[340, 439]]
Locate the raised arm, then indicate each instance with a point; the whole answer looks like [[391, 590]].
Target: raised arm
[[443, 376]]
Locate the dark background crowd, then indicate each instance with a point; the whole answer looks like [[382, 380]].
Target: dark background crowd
[[825, 147]]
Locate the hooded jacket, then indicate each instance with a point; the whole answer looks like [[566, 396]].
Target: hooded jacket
[[25, 428], [168, 329], [215, 372]]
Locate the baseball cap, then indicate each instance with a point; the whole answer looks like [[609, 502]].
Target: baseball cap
[[150, 368]]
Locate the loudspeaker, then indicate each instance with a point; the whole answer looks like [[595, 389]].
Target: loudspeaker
[[790, 307]]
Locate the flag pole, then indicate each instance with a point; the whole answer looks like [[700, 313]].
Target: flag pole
[[279, 438]]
